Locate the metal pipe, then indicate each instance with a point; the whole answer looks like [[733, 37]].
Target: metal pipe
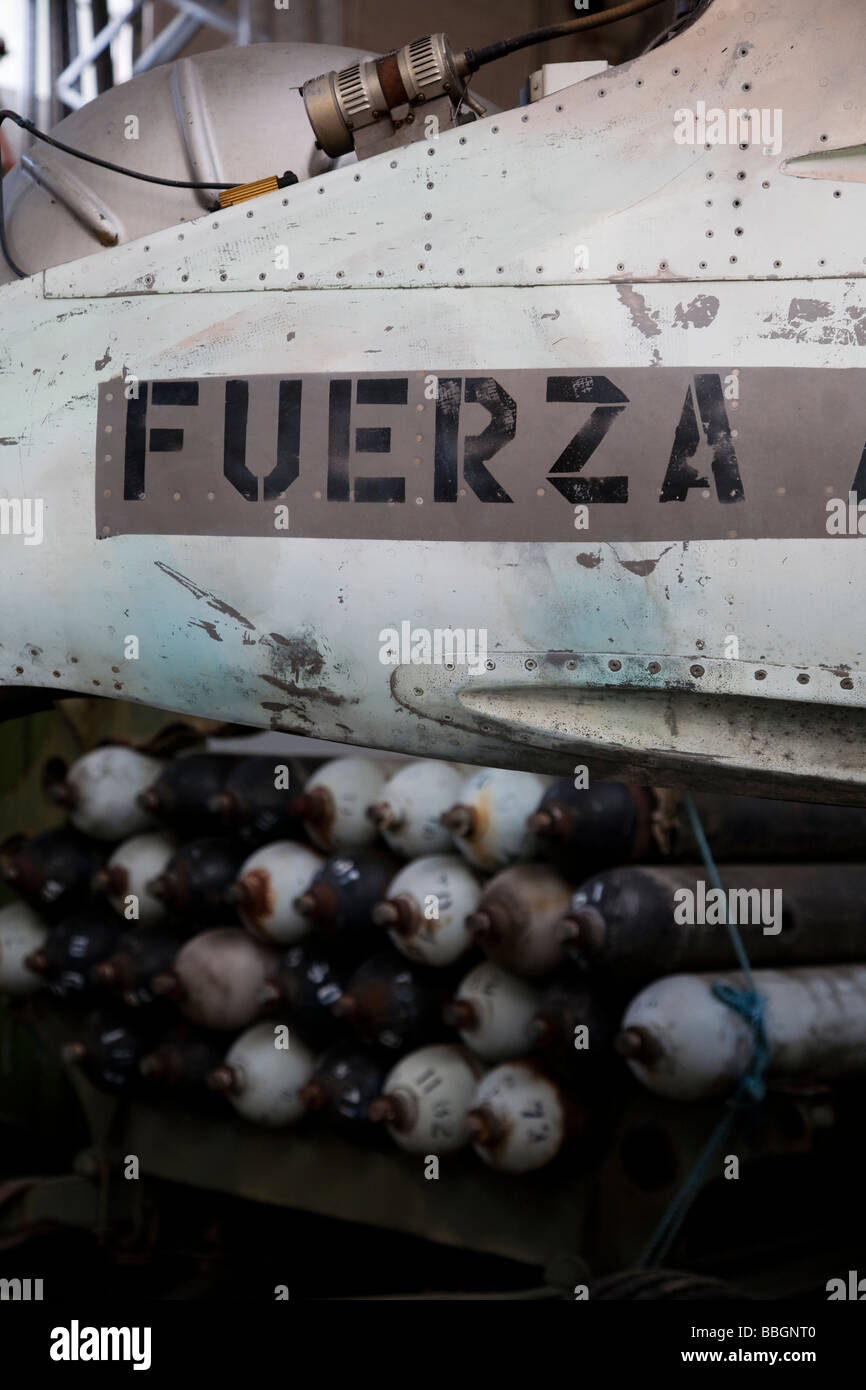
[[88, 54], [28, 86], [683, 1042]]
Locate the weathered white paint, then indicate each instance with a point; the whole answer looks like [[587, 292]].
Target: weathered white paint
[[604, 172]]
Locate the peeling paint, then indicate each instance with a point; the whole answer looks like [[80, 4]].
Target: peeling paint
[[808, 309], [588, 560], [209, 628], [643, 567], [700, 312], [316, 692], [814, 321], [300, 654], [645, 320], [198, 592]]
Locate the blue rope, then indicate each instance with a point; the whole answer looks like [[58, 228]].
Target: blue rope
[[751, 1087]]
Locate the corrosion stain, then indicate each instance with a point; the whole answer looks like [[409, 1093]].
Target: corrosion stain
[[670, 718], [300, 654], [222, 607], [298, 713], [198, 592], [209, 628], [643, 567], [316, 692], [258, 902], [588, 560]]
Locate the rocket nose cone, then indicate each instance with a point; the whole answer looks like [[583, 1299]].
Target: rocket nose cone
[[222, 804], [220, 1079], [150, 800], [460, 820], [63, 794]]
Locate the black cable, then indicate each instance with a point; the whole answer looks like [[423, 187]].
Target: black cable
[[104, 163], [474, 58], [477, 58], [28, 125]]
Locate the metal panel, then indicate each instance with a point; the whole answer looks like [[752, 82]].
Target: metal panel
[[589, 184], [792, 605], [645, 454], [469, 1206]]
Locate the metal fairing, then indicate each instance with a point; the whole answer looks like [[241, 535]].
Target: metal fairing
[[717, 291]]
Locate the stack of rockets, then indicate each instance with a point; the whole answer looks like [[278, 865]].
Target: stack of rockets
[[448, 955]]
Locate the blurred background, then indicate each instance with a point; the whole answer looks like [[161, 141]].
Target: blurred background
[[50, 65]]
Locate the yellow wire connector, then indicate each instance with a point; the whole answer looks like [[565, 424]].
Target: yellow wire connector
[[243, 191]]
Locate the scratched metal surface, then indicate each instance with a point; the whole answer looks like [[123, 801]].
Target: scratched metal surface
[[286, 635], [509, 200]]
